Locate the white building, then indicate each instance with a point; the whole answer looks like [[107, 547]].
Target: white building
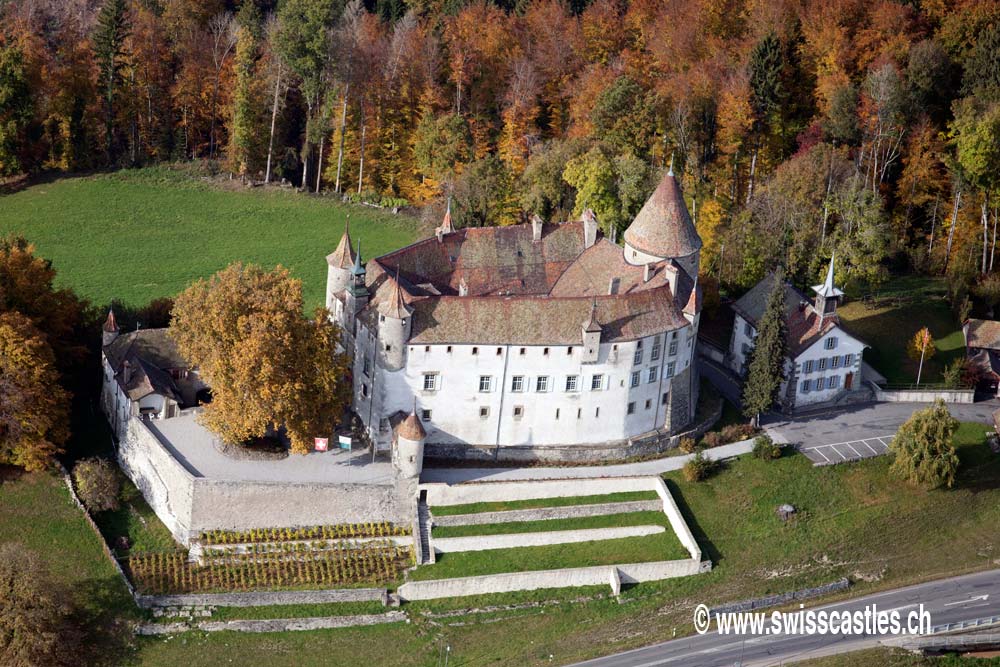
[[824, 360], [539, 336], [143, 374]]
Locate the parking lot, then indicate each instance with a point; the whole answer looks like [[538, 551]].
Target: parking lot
[[841, 452]]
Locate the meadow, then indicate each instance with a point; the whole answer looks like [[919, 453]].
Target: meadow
[[134, 235]]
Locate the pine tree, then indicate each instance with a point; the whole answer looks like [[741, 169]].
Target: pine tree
[[767, 359], [16, 108], [109, 51]]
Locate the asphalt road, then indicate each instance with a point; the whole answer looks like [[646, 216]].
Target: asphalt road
[[858, 422], [964, 598]]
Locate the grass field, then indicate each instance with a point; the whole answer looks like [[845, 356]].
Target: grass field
[[888, 324], [134, 235], [578, 523], [535, 503], [896, 658]]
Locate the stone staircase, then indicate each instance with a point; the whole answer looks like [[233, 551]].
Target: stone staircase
[[426, 554]]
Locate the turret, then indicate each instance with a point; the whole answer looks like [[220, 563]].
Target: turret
[[589, 228], [592, 330], [394, 326], [109, 332], [356, 293], [663, 229], [338, 272], [446, 225], [827, 295], [408, 454], [536, 228]]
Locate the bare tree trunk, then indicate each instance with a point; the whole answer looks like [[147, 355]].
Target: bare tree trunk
[[826, 200], [343, 130], [986, 227], [954, 223], [930, 248], [361, 162], [993, 246], [215, 101], [274, 120], [319, 162], [753, 169]]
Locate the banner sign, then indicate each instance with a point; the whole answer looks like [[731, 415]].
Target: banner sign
[[321, 444]]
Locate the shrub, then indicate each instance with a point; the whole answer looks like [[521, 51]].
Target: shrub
[[699, 468], [712, 439], [98, 483], [765, 449], [737, 432], [687, 445], [924, 453]]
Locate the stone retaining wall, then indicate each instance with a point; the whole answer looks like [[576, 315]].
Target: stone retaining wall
[[538, 539], [262, 598], [925, 395], [564, 578], [273, 625], [782, 598], [546, 513]]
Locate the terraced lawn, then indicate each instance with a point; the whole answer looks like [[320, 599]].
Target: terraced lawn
[[535, 503], [577, 523]]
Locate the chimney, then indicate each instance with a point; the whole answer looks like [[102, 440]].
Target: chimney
[[463, 287], [589, 228], [536, 228], [647, 272]]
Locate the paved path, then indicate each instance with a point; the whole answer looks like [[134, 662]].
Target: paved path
[[966, 598], [654, 467]]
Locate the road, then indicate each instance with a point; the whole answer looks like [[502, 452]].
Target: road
[[964, 598]]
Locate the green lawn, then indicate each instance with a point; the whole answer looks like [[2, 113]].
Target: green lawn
[[578, 523], [135, 520], [296, 611], [662, 546], [890, 321], [884, 657], [138, 234], [535, 503]]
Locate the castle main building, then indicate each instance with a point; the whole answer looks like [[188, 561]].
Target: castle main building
[[534, 341]]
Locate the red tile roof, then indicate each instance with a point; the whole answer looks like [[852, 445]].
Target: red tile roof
[[984, 334], [663, 227]]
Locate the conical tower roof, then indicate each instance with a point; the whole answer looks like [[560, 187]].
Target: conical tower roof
[[343, 256], [111, 324], [446, 225], [395, 306], [411, 428], [663, 227], [592, 324]]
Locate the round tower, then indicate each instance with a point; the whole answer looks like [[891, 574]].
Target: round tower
[[339, 265], [408, 454], [394, 326], [663, 229]]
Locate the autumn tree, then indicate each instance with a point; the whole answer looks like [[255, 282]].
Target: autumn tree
[[442, 144], [976, 132], [921, 348], [244, 129], [16, 108], [37, 622], [35, 407], [97, 481], [268, 366], [766, 367], [923, 449]]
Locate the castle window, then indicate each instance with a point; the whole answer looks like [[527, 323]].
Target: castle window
[[517, 383], [499, 351], [485, 383], [835, 362], [366, 366], [522, 352], [542, 383], [631, 409], [572, 382], [848, 360], [484, 412], [448, 349], [634, 382], [820, 383], [518, 411], [579, 412], [670, 369], [649, 403], [805, 386], [665, 398], [651, 374], [388, 348], [545, 351], [831, 342], [597, 412], [822, 364], [569, 350], [597, 382], [475, 350], [673, 348], [637, 358], [807, 366], [431, 381], [833, 382], [425, 415], [427, 348], [655, 352], [364, 390], [747, 330], [557, 413]]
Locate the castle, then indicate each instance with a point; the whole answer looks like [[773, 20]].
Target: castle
[[527, 342]]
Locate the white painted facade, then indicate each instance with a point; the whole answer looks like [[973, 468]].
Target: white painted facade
[[524, 395]]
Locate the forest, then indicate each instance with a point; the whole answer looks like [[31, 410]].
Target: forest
[[868, 129]]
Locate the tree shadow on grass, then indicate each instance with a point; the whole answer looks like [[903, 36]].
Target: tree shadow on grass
[[106, 614], [708, 548], [978, 469]]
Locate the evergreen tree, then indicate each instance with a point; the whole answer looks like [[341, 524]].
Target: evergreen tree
[[15, 108], [109, 51], [767, 359]]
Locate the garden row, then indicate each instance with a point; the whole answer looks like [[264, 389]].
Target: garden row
[[336, 532], [172, 573]]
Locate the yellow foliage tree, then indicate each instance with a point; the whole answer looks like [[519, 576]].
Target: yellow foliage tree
[[34, 410], [268, 366]]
